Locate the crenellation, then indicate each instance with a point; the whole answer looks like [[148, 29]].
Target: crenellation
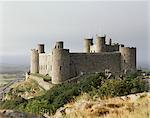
[[110, 41], [41, 48], [62, 65], [59, 44]]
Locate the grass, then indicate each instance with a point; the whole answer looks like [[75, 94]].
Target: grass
[[108, 108], [26, 89], [147, 71], [142, 110], [46, 78], [94, 85], [6, 78]]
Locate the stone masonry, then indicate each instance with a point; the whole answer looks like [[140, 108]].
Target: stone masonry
[[62, 65]]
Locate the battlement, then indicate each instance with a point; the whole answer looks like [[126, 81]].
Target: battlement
[[59, 44], [34, 50], [100, 45], [62, 65], [41, 48]]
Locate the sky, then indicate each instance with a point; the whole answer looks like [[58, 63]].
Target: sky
[[25, 24]]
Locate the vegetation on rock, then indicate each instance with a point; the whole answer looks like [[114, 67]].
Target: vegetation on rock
[[46, 78], [94, 85], [25, 89]]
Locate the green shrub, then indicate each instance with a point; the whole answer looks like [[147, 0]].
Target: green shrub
[[117, 87], [12, 104]]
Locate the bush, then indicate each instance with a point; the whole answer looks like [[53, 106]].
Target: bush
[[12, 104], [117, 87]]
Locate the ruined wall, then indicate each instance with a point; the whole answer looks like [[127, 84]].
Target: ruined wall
[[94, 62]]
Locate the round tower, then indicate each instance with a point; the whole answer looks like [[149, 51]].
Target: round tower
[[110, 41], [100, 44], [128, 60], [59, 44], [87, 44], [60, 65], [34, 61], [41, 48]]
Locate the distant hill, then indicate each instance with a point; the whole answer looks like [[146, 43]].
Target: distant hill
[[13, 69], [14, 63]]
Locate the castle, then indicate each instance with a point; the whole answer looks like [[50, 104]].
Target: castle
[[63, 65]]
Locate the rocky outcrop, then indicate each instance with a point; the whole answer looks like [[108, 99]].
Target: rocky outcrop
[[16, 114], [41, 82], [125, 106]]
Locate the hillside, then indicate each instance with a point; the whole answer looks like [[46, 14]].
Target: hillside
[[24, 89], [96, 86], [131, 106]]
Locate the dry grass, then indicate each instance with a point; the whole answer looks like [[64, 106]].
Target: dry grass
[[26, 89], [132, 106]]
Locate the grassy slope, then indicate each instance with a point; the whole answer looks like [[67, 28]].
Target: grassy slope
[[6, 78], [95, 85], [25, 89], [133, 106]]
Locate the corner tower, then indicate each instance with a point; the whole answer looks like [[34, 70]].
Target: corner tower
[[128, 59], [87, 44], [59, 45], [41, 48], [100, 44], [60, 64], [34, 61]]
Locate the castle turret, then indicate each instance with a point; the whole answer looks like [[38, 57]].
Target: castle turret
[[100, 44], [110, 41], [34, 64], [128, 60], [87, 44], [41, 48], [60, 64], [59, 44]]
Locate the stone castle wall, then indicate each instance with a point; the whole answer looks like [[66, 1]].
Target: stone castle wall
[[62, 65], [77, 63], [94, 62], [44, 64], [112, 48]]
